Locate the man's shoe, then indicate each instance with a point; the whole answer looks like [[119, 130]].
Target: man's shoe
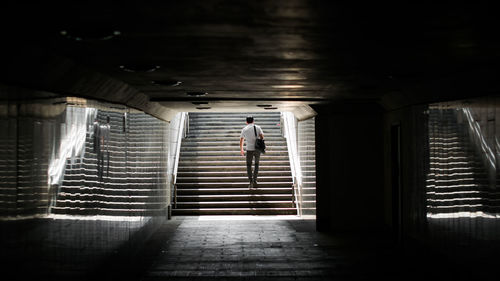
[[255, 183]]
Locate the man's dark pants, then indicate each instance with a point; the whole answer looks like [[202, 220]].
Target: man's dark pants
[[250, 156]]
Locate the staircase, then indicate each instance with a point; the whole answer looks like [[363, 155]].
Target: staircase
[[212, 178], [135, 185], [307, 156], [457, 181]]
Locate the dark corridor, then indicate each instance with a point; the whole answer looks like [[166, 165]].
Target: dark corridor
[[421, 201]]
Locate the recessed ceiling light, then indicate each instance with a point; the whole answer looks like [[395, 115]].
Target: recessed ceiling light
[[203, 107], [167, 82], [89, 34], [264, 105], [287, 86], [196, 94], [199, 102], [270, 108], [139, 67]]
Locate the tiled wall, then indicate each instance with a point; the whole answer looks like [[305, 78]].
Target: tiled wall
[[28, 142], [32, 235]]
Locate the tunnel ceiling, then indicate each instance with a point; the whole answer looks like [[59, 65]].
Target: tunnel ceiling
[[281, 53]]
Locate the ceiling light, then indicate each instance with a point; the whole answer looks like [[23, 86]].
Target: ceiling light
[[196, 94], [264, 105], [203, 107], [89, 34], [167, 82], [139, 67], [287, 86]]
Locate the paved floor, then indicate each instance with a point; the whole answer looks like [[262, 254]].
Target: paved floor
[[247, 248], [203, 248], [220, 248]]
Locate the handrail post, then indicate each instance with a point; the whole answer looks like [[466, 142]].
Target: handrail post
[[175, 196], [282, 124], [186, 125]]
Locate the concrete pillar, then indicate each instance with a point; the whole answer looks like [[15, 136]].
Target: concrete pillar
[[349, 167]]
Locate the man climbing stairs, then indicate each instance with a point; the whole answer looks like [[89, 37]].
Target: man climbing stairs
[[212, 178]]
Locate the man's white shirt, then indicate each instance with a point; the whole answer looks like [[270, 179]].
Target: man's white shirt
[[248, 134]]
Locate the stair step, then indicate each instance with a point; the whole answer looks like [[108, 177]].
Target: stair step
[[228, 179], [242, 162], [235, 211], [231, 124], [234, 197], [234, 148], [239, 168], [230, 184], [233, 118], [228, 158], [228, 141], [235, 204], [230, 153], [230, 173], [228, 126], [234, 191], [233, 168], [228, 135]]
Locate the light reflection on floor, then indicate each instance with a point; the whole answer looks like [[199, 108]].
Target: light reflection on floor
[[463, 215], [97, 218], [140, 218], [246, 218]]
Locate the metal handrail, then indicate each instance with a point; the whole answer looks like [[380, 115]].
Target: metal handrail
[[290, 134], [183, 129]]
